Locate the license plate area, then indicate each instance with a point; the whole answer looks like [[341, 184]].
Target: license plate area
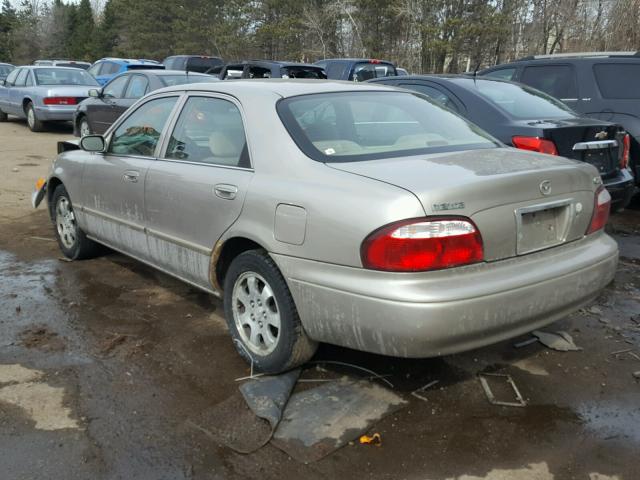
[[542, 226]]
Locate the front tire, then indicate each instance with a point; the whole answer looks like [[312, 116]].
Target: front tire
[[72, 240], [84, 127], [261, 315], [35, 125]]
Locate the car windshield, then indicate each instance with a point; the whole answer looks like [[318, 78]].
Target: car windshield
[[303, 72], [171, 80], [522, 102], [356, 126], [5, 69], [63, 76]]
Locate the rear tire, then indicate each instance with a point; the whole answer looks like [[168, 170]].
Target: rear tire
[[72, 240], [261, 315], [35, 125]]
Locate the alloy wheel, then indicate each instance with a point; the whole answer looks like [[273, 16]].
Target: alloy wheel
[[66, 223]]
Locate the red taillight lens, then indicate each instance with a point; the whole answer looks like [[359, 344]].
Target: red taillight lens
[[421, 244], [535, 144], [626, 150], [61, 101], [600, 210]]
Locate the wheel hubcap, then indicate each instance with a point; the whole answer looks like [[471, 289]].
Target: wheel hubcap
[[31, 117], [84, 128], [66, 222], [256, 314]]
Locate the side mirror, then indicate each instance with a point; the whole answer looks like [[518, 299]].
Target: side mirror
[[92, 143], [95, 93]]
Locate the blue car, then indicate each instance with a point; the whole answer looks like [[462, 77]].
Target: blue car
[[105, 69]]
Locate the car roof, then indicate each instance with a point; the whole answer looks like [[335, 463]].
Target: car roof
[[160, 72], [460, 79], [375, 60], [278, 86], [127, 61], [285, 63], [49, 67]]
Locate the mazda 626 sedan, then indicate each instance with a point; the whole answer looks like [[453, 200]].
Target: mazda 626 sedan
[[357, 215]]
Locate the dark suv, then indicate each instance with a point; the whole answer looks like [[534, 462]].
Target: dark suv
[[600, 85], [270, 69]]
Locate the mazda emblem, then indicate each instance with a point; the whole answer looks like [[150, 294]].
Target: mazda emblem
[[545, 187]]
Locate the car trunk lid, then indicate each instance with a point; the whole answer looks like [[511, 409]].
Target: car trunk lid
[[520, 201], [587, 140]]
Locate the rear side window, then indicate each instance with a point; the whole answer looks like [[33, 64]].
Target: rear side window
[[366, 71], [209, 130], [303, 72], [432, 92], [618, 80], [559, 81], [95, 69], [259, 72], [502, 74], [357, 126], [109, 68], [140, 132]]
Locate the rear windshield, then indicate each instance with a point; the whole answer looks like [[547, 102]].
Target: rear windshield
[[356, 126], [366, 71], [146, 66], [303, 72], [83, 66], [522, 102], [63, 76], [171, 80], [618, 80]]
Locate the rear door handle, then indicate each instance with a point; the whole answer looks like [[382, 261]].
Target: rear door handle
[[131, 176], [226, 191]]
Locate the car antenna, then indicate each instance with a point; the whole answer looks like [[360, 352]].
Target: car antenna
[[475, 72]]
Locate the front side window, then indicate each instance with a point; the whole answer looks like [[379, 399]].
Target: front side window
[[355, 126], [618, 80], [140, 132], [95, 69], [63, 76], [522, 102], [209, 130], [137, 87], [502, 74], [115, 88], [559, 81]]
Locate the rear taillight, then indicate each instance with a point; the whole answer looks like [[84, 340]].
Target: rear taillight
[[535, 144], [61, 101], [626, 150], [601, 207], [421, 244]]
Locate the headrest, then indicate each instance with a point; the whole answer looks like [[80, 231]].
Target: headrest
[[222, 146]]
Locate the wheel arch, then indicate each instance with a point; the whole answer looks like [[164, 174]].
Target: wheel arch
[[223, 254], [52, 184], [26, 101]]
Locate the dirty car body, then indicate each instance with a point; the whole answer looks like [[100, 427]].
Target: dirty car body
[[392, 225]]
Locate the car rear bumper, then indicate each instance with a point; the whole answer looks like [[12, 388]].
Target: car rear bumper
[[57, 113], [622, 188], [447, 311]]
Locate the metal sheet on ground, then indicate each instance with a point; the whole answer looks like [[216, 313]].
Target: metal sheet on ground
[[319, 421]]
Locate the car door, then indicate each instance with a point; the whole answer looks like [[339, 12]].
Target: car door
[[113, 182], [104, 111], [16, 94], [197, 189], [5, 92]]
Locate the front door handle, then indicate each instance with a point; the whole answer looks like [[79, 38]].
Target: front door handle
[[226, 191], [131, 176]]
